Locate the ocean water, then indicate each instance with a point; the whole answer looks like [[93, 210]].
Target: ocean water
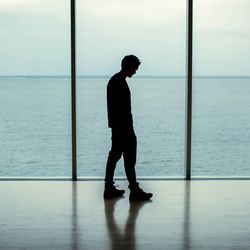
[[36, 126]]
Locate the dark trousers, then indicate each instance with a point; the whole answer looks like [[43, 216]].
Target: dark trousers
[[124, 143]]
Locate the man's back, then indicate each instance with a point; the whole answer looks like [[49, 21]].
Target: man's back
[[119, 103]]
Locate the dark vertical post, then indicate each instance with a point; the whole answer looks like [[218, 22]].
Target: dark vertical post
[[73, 89], [189, 88]]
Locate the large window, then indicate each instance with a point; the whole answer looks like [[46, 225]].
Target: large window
[[156, 33], [35, 103], [221, 130], [35, 88]]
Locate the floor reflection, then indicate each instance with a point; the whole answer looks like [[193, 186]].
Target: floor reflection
[[122, 238], [123, 223], [186, 220], [74, 222]]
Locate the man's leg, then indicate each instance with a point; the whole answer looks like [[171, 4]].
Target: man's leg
[[129, 155], [136, 194], [114, 156]]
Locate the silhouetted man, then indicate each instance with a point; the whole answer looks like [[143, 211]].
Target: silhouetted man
[[120, 121]]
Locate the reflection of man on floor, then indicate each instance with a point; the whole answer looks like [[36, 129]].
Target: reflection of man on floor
[[124, 140], [122, 240]]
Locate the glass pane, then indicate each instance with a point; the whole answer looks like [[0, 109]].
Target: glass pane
[[35, 89], [155, 32], [221, 132]]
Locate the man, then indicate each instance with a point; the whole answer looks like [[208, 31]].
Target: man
[[124, 142]]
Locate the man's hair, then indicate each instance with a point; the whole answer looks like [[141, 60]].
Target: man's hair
[[130, 59]]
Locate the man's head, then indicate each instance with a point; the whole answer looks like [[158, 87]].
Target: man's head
[[130, 64]]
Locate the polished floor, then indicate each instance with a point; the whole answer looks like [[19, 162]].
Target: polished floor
[[207, 214]]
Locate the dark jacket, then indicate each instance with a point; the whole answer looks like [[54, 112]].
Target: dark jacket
[[119, 103]]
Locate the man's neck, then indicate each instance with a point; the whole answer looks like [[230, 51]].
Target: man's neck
[[123, 74]]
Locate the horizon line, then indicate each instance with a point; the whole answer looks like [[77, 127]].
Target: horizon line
[[138, 76]]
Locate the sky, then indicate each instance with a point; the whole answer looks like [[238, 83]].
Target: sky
[[35, 36]]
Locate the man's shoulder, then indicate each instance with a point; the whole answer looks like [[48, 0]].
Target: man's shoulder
[[115, 78]]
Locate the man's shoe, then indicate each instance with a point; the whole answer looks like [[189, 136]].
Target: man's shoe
[[139, 195], [112, 192]]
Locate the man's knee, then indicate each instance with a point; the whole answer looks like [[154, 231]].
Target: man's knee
[[115, 155]]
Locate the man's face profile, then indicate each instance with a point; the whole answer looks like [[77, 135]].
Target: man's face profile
[[132, 70]]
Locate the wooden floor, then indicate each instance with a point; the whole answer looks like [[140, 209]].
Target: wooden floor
[[73, 215]]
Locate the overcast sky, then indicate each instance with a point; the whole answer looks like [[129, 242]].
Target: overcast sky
[[35, 36]]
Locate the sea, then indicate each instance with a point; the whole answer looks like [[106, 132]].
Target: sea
[[35, 126]]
